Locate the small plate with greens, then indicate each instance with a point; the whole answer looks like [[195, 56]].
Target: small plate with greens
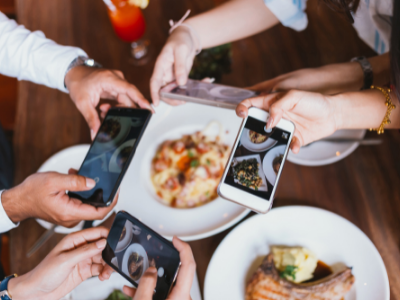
[[247, 171]]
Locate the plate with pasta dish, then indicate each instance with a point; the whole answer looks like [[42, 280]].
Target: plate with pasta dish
[[171, 184]]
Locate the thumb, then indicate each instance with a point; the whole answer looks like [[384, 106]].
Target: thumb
[[87, 251], [73, 182], [181, 55], [88, 111], [147, 285]]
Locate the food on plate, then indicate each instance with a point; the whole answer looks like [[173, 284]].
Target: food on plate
[[135, 266], [276, 163], [267, 283], [123, 233], [257, 138], [118, 295], [296, 264], [123, 156], [246, 173], [186, 172], [109, 130]]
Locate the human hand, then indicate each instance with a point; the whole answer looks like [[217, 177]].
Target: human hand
[[181, 290], [87, 85], [42, 195], [173, 63], [76, 258], [313, 114]]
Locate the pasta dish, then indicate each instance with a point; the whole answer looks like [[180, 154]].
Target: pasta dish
[[187, 171]]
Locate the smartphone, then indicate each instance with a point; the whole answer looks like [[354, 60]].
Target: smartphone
[[132, 247], [207, 93], [252, 173], [110, 154]]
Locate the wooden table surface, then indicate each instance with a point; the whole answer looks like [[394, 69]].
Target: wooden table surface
[[364, 187]]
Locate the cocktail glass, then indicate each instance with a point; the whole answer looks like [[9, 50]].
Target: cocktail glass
[[129, 25]]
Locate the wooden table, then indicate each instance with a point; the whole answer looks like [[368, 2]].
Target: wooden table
[[364, 187]]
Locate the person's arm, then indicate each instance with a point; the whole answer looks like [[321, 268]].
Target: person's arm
[[317, 116], [31, 56], [329, 79], [231, 21], [228, 22]]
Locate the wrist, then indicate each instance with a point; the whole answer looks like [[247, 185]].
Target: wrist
[[335, 105], [12, 206], [17, 290]]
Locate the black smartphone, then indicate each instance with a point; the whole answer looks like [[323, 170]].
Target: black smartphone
[[110, 154], [132, 247]]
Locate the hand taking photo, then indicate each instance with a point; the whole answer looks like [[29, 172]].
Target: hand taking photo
[[88, 85], [181, 290], [76, 258], [42, 195]]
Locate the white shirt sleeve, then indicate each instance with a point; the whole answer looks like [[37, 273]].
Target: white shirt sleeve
[[289, 12], [31, 56], [5, 223]]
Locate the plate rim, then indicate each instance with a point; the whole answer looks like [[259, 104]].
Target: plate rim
[[323, 162]]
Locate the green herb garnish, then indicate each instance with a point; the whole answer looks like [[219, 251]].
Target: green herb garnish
[[290, 271], [118, 295], [194, 163], [190, 153], [208, 162]]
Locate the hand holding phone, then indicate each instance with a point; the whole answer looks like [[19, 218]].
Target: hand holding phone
[[132, 248], [252, 173], [181, 290]]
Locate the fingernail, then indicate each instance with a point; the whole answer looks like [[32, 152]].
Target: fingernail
[[269, 123], [212, 79], [181, 80], [90, 183], [101, 244], [92, 135], [241, 113], [152, 270]]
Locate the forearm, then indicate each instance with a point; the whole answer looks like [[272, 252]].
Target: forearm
[[364, 110], [233, 20], [344, 77], [31, 56]]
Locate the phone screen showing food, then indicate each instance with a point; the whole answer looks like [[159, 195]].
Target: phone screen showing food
[[257, 158], [110, 152], [133, 247], [215, 92]]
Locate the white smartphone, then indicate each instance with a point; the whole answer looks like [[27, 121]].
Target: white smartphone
[[206, 93], [252, 173]]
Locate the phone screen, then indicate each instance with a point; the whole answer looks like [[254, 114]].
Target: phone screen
[[257, 158], [110, 152], [132, 247], [214, 92]]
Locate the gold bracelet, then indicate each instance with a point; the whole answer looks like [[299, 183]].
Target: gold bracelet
[[390, 107]]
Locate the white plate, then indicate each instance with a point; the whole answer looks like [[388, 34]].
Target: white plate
[[268, 160], [331, 237], [264, 186], [249, 145], [61, 162], [325, 153], [137, 195], [139, 250]]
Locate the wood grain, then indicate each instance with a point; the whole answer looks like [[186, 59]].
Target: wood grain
[[364, 187]]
